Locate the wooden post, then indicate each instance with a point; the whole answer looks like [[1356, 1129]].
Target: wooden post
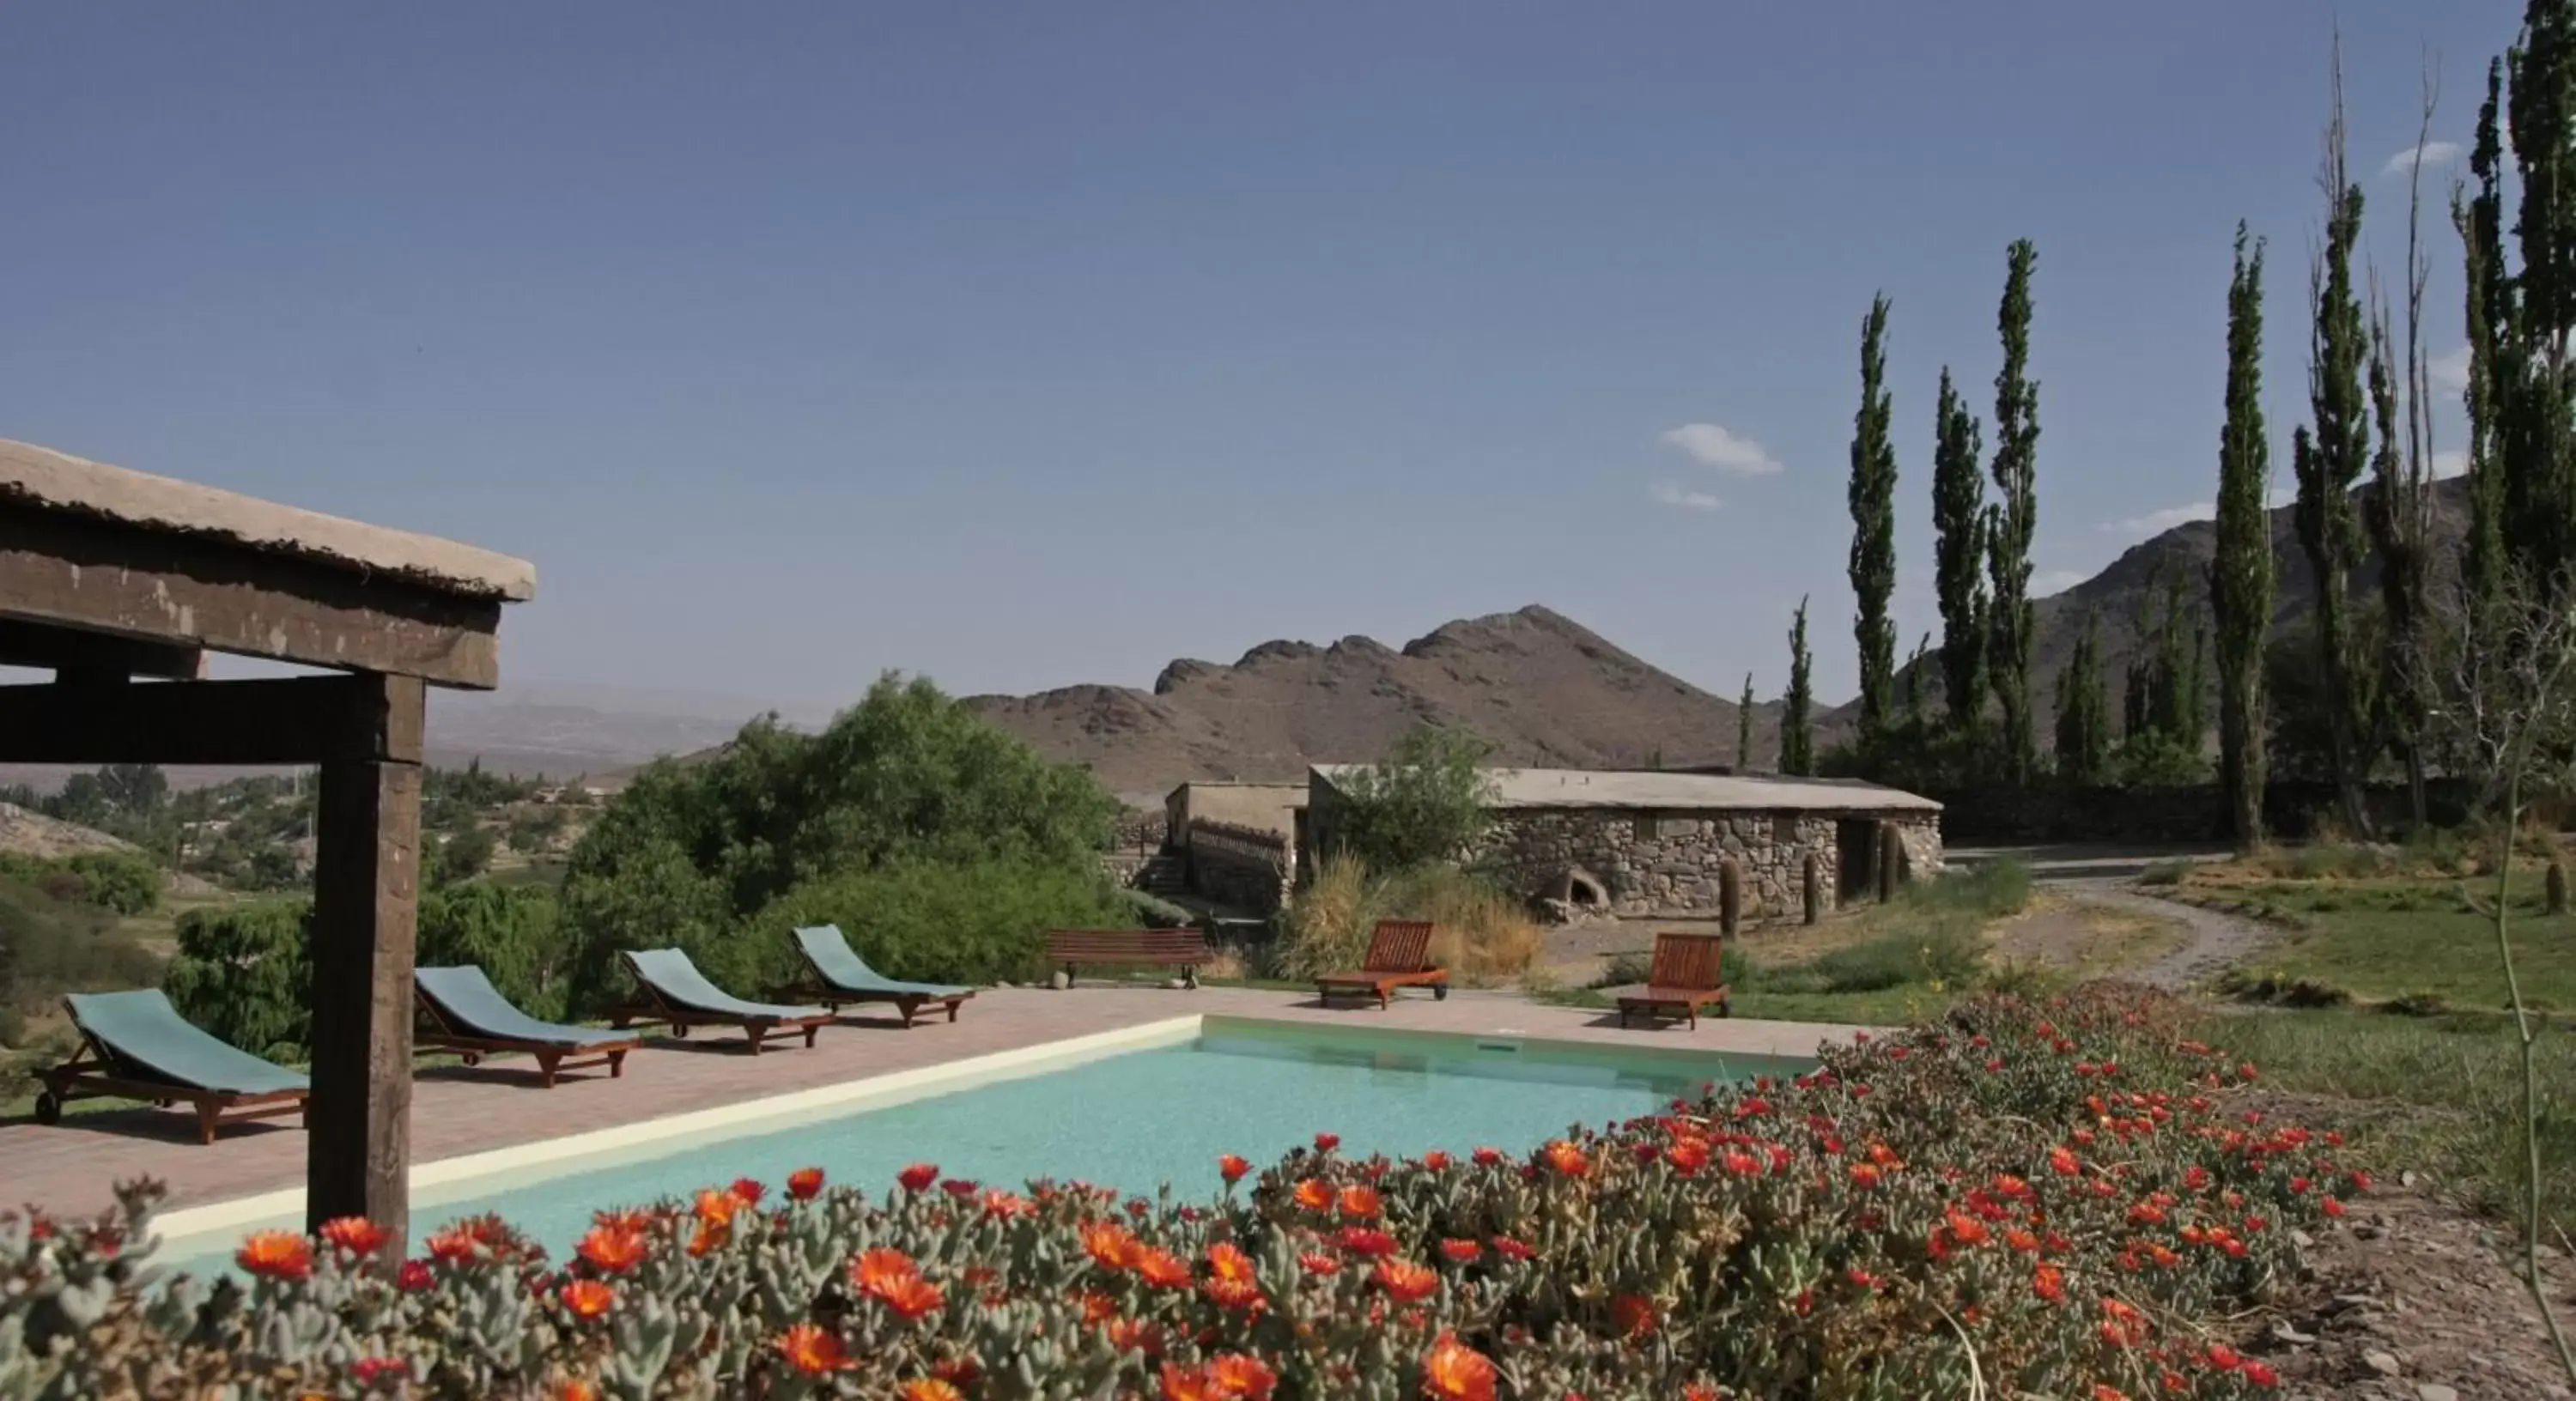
[[366, 888], [1815, 888], [1730, 896], [2555, 887], [1887, 848]]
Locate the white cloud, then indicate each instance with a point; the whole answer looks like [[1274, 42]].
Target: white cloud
[[2449, 371], [2044, 582], [2453, 462], [2157, 522], [2432, 153], [2277, 498], [1676, 495], [1722, 449]]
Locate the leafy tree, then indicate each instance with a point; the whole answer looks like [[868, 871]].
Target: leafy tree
[[457, 856], [1797, 735], [907, 775], [2083, 724], [2014, 518], [1959, 522], [977, 923], [1744, 727], [1873, 545], [2328, 459], [516, 934], [245, 974], [1428, 802], [2240, 573]]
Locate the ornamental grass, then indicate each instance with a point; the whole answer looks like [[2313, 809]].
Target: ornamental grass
[[2061, 1199]]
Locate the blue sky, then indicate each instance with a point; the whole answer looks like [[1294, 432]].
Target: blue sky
[[1031, 343]]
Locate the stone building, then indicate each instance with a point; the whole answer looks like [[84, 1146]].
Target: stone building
[[1236, 843], [1652, 843]]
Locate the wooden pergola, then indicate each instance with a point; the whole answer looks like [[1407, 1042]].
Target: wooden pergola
[[120, 582]]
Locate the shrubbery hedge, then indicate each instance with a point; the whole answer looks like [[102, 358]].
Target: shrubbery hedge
[[2055, 1200]]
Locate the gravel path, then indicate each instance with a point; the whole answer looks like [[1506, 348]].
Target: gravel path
[[2218, 941]]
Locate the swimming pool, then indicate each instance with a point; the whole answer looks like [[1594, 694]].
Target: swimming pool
[[1134, 1120]]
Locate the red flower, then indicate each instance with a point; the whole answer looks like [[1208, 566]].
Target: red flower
[[805, 1184], [814, 1351], [1317, 1263], [355, 1234], [2331, 1207], [747, 1191], [1359, 1240], [1327, 1142], [2063, 1161], [1436, 1160], [370, 1370], [1687, 1155], [1487, 1157], [2049, 1283], [413, 1277], [276, 1255], [2259, 1374], [588, 1298], [1632, 1315], [1462, 1251], [918, 1177], [1405, 1281], [1232, 1167], [1512, 1249]]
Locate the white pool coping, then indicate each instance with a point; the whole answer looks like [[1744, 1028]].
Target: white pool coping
[[188, 1231]]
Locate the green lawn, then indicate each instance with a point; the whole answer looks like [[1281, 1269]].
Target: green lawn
[[2382, 940]]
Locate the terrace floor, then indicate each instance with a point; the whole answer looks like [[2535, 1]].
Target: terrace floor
[[69, 1168]]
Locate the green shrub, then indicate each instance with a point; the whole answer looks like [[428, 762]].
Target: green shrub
[[1831, 1237], [515, 933], [1426, 804], [1152, 910], [983, 923], [245, 975], [49, 947], [120, 882]]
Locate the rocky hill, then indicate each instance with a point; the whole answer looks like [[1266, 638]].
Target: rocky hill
[[24, 833], [1544, 689]]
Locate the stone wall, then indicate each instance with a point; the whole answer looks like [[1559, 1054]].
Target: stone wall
[[1140, 830], [1667, 863], [1245, 867]]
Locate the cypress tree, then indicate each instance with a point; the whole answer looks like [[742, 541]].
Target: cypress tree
[[2240, 575], [1873, 545], [2480, 222], [1797, 741], [2013, 518], [1958, 521], [2328, 456], [1744, 728], [2536, 408], [2083, 720]]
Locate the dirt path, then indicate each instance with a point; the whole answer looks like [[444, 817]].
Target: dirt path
[[2218, 941]]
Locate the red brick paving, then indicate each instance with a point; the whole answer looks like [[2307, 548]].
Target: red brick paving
[[68, 1168]]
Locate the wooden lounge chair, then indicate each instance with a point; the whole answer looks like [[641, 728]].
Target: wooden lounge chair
[[675, 993], [460, 1010], [135, 1045], [841, 978], [1685, 978], [1399, 956], [1073, 950]]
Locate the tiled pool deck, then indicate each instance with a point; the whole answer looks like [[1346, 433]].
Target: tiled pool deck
[[69, 1168]]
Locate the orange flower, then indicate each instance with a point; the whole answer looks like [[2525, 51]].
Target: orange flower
[[453, 1245], [1360, 1201], [881, 1271], [355, 1234], [707, 1238], [814, 1351], [588, 1298], [1865, 1174], [2049, 1283], [1317, 1263], [276, 1255], [1687, 1155], [805, 1184], [1190, 1384], [1162, 1269], [1405, 1281], [1454, 1371], [1232, 1167], [1133, 1335], [912, 1296], [1109, 1244], [2063, 1162], [612, 1251], [1436, 1160], [1235, 1282], [576, 1390], [1567, 1159], [1633, 1315], [1238, 1375], [1315, 1194], [716, 1209], [1006, 1205], [930, 1389], [623, 1220]]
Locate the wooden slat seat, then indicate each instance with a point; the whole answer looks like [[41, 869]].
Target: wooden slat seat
[[1399, 956], [1073, 950], [1687, 975]]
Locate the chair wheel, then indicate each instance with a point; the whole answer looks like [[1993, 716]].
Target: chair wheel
[[49, 1110], [679, 1032], [1439, 992]]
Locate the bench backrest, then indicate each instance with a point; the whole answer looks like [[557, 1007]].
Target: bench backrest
[[1687, 961], [1399, 946], [1126, 946]]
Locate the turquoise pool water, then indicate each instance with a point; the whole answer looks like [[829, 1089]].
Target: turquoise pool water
[[1144, 1118]]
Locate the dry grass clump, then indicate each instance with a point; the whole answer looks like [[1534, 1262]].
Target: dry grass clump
[[1480, 935]]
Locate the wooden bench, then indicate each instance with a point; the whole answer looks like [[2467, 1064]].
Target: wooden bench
[[1073, 950]]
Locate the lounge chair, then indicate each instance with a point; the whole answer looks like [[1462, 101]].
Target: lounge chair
[[1399, 956], [674, 992], [1686, 977], [135, 1045], [842, 978], [460, 1010]]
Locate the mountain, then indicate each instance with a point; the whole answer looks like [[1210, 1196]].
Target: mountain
[[1542, 688], [2130, 589]]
